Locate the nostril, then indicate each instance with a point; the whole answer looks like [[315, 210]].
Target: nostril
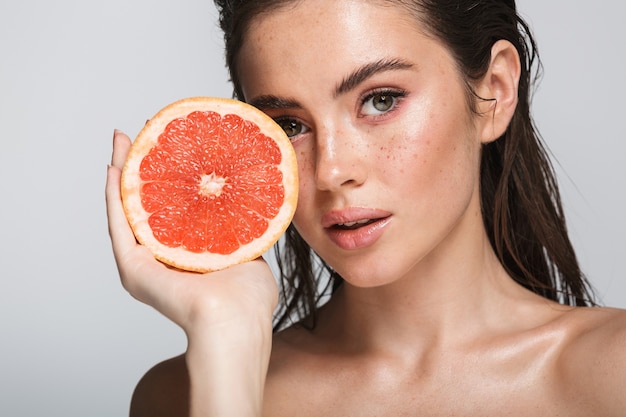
[[338, 161]]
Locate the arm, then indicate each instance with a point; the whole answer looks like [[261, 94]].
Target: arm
[[226, 315]]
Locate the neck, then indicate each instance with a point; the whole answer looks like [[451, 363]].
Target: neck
[[439, 303]]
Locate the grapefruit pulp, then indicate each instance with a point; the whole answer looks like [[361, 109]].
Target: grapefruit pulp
[[209, 183]]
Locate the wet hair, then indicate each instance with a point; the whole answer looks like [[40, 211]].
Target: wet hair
[[520, 199]]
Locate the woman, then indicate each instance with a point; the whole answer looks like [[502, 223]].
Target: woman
[[425, 192]]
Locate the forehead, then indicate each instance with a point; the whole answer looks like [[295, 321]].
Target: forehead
[[325, 38]]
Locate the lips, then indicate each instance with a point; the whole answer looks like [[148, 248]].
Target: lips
[[355, 228], [354, 225]]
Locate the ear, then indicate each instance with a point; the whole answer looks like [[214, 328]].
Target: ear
[[498, 91]]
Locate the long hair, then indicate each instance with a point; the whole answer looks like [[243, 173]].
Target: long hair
[[520, 198]]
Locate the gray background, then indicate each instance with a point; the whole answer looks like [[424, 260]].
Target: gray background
[[72, 342]]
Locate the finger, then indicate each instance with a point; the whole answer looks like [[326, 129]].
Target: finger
[[122, 237], [133, 262], [121, 146]]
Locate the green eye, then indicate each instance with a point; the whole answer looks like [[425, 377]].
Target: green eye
[[291, 127], [382, 102]]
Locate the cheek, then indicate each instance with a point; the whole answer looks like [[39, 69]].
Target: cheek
[[435, 154], [306, 188]]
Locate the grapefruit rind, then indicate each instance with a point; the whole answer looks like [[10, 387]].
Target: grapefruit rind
[[131, 185]]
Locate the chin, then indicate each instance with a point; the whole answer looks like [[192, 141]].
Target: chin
[[365, 276]]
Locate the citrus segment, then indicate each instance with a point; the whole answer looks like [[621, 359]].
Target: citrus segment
[[209, 183]]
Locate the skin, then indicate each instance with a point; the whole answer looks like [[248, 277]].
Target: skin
[[438, 328]]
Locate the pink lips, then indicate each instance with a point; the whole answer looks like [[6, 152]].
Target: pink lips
[[355, 228]]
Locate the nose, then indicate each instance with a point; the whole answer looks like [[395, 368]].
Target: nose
[[340, 159]]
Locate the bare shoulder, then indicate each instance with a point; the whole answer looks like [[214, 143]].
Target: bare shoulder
[[594, 359], [163, 391], [596, 330]]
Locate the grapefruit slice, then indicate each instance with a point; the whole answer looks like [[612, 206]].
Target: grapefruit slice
[[209, 183]]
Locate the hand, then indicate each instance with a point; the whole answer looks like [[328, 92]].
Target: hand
[[227, 315], [181, 296]]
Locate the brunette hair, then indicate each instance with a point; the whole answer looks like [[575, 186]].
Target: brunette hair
[[520, 199]]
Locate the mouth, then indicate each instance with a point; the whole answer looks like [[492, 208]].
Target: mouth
[[355, 228], [352, 218], [353, 225]]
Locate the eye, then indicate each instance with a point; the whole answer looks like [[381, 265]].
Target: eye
[[292, 127], [380, 102]]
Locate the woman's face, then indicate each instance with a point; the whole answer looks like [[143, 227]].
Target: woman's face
[[377, 113]]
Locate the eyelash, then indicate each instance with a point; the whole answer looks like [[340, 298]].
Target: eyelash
[[396, 95], [283, 120]]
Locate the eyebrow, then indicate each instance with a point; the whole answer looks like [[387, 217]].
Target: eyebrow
[[269, 102], [368, 70]]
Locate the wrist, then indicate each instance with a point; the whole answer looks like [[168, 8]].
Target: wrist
[[227, 367]]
